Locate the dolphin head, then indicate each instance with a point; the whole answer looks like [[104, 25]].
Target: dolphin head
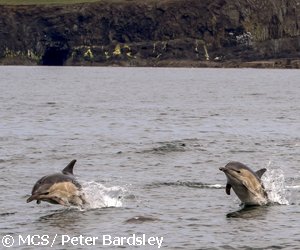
[[59, 188], [245, 182], [237, 172]]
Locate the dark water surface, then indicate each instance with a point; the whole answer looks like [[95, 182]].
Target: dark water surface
[[148, 144]]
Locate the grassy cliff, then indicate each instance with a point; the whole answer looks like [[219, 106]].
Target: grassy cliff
[[44, 2], [217, 33]]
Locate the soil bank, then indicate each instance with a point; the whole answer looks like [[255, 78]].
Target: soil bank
[[177, 33]]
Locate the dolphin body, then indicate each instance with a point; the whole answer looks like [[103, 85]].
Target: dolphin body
[[59, 188], [245, 183]]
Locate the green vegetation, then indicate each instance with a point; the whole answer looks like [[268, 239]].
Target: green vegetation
[[44, 2]]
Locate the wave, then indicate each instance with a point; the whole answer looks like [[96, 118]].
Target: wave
[[293, 187], [174, 146], [166, 147], [141, 219], [99, 196], [190, 184], [7, 214]]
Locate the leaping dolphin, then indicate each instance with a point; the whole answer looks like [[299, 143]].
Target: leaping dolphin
[[60, 188], [245, 183]]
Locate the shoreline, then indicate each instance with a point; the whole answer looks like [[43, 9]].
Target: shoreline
[[283, 63]]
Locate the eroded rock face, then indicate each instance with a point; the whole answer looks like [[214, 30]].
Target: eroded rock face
[[149, 33]]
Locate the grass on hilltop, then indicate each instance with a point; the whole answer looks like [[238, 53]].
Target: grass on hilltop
[[43, 2]]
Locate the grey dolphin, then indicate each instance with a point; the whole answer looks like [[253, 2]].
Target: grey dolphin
[[245, 183], [60, 188]]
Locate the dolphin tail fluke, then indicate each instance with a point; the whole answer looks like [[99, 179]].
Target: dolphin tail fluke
[[69, 168], [260, 172]]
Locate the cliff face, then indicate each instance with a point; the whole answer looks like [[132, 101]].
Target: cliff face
[[151, 33]]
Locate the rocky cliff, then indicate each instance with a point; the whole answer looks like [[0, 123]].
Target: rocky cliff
[[153, 33]]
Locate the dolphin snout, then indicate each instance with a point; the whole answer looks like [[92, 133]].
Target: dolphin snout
[[31, 198]]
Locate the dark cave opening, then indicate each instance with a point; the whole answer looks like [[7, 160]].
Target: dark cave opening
[[55, 56]]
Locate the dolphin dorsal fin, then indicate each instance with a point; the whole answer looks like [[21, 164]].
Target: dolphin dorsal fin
[[261, 172], [228, 187], [69, 168]]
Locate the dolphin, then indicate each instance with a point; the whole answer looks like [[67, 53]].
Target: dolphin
[[59, 188], [245, 183]]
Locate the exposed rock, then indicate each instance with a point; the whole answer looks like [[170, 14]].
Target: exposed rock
[[206, 33]]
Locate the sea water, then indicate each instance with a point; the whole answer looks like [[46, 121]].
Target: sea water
[[149, 143]]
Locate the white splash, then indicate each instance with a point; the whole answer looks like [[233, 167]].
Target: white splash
[[274, 183], [216, 186], [293, 187], [99, 196]]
